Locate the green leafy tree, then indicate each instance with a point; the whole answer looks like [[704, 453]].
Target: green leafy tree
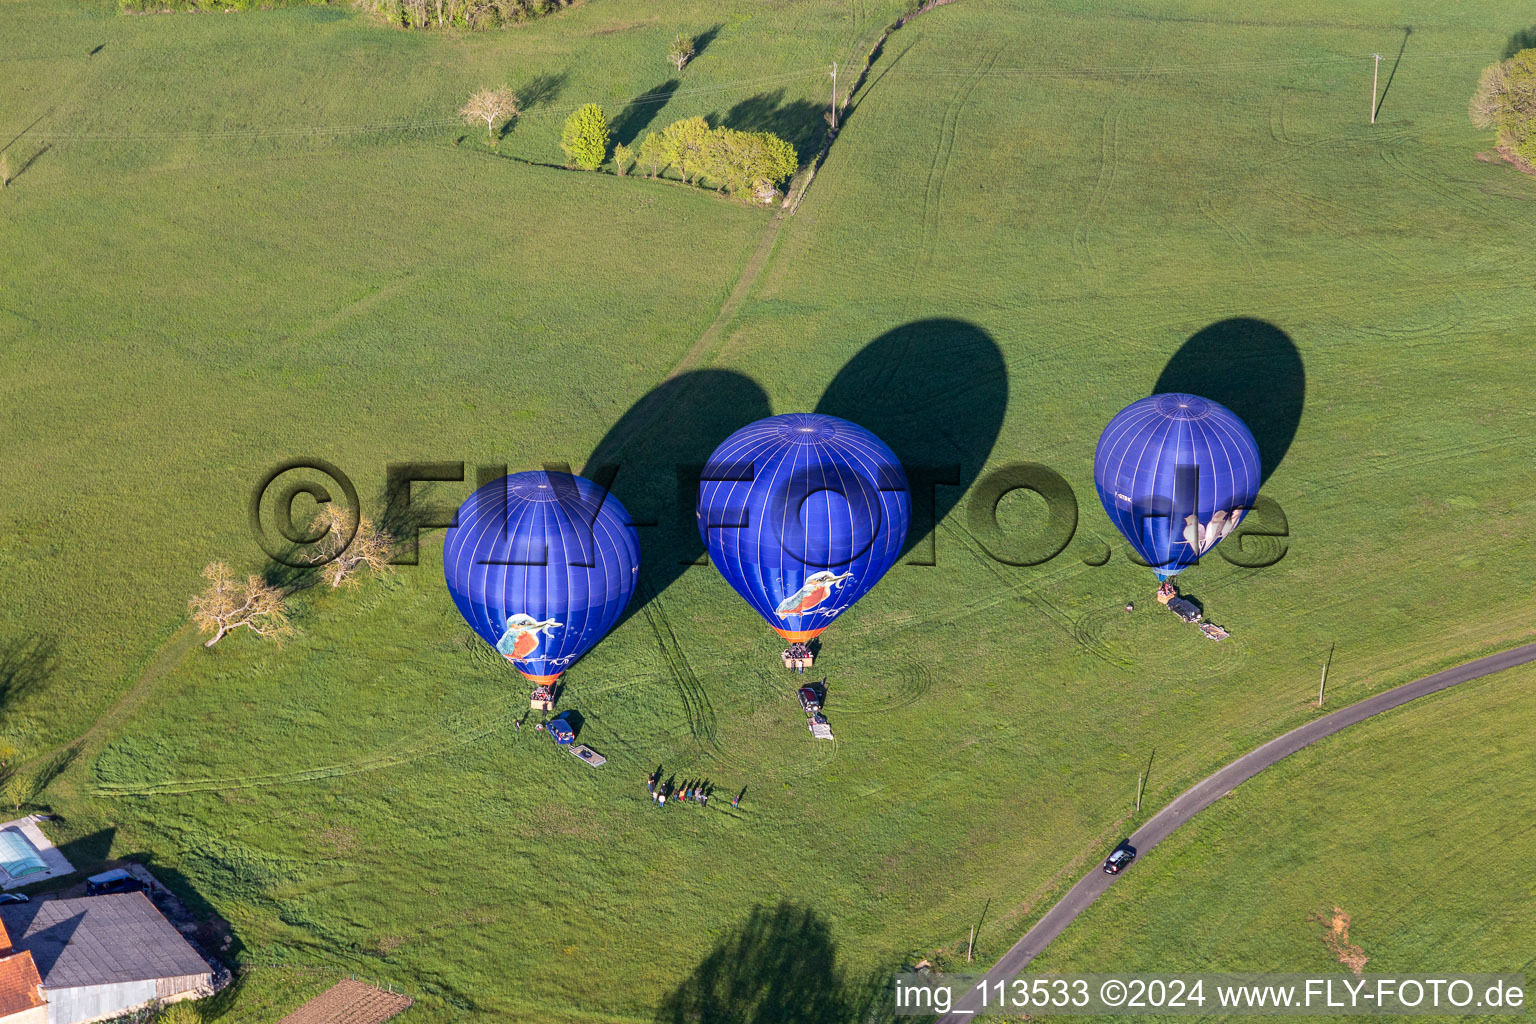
[[653, 154], [1506, 101], [755, 161], [685, 142], [585, 138], [773, 160], [623, 156], [723, 159]]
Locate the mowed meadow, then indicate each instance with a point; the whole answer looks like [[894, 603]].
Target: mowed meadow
[[1407, 825], [1030, 218]]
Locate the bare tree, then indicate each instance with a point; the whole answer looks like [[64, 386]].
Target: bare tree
[[229, 604], [368, 546], [681, 51], [493, 106], [1488, 103]]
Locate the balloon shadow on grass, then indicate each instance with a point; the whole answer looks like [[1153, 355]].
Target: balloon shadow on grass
[[777, 967], [1253, 368], [659, 448], [936, 391]]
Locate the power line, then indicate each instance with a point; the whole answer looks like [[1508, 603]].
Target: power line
[[1048, 71], [301, 131], [663, 97]]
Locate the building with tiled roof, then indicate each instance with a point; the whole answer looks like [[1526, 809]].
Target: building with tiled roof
[[21, 988], [101, 956]]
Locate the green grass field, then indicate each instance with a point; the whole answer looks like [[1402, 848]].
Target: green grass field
[[1026, 216], [1410, 823]]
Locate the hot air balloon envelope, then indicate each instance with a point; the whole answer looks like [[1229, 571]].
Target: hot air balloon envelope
[[1176, 473], [802, 514], [541, 566]]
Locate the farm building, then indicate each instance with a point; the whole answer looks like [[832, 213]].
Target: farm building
[[100, 956], [21, 997]]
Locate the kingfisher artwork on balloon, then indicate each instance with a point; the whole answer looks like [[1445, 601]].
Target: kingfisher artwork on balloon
[[1176, 473], [541, 565], [803, 513]]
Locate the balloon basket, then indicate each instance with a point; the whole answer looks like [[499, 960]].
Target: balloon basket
[[798, 657], [1167, 592], [543, 697]]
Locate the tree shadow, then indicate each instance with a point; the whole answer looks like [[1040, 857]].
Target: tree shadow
[[777, 967], [659, 447], [47, 773], [542, 90], [638, 114], [1407, 31], [26, 663], [1525, 39], [290, 578], [936, 391], [1253, 368], [703, 39], [800, 122]]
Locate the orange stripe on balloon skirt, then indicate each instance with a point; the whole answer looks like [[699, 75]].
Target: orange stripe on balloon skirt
[[798, 636]]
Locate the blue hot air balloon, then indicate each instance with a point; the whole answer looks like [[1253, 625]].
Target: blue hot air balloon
[[541, 565], [802, 514], [1176, 473]]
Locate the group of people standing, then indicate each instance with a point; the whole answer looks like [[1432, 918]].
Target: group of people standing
[[699, 791]]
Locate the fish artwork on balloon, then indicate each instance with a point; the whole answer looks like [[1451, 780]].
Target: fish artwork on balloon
[[522, 636]]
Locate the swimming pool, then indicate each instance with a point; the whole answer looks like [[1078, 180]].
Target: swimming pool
[[18, 856]]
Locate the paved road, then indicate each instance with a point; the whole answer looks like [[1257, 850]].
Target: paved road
[[1208, 791]]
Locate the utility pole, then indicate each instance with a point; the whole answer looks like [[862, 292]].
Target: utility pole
[[834, 95], [1375, 74], [971, 942], [1324, 681], [1139, 778]]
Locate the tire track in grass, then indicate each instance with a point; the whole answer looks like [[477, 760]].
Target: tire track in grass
[[752, 270], [1392, 156], [1109, 167], [1277, 119], [1331, 216], [1035, 594], [1108, 159], [913, 681], [938, 169], [1246, 247], [1398, 462], [90, 742], [456, 730], [696, 704]]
